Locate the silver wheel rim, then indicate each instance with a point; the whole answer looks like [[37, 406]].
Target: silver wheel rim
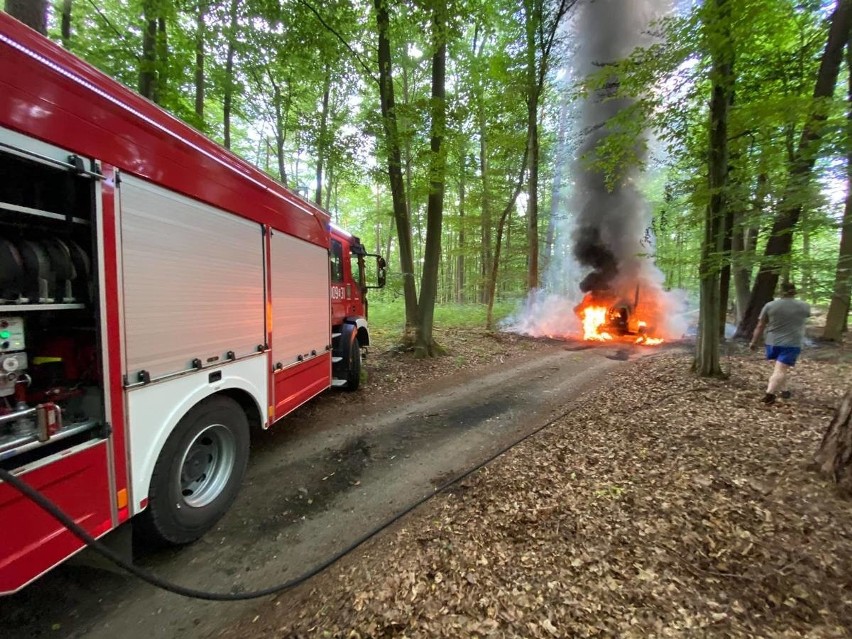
[[207, 465]]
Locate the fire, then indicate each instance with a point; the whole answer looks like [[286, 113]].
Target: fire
[[607, 320], [594, 319]]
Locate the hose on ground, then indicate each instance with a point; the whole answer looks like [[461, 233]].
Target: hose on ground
[[145, 575]]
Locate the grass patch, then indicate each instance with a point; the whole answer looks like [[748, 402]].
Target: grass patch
[[387, 317]]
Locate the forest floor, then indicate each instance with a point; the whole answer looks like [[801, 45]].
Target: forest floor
[[659, 505]]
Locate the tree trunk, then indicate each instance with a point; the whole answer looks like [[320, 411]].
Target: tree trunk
[[322, 143], [487, 257], [501, 225], [740, 273], [801, 169], [227, 104], [744, 245], [425, 344], [162, 57], [391, 232], [408, 170], [838, 310], [65, 25], [148, 64], [394, 157], [727, 254], [460, 280], [807, 288], [200, 29], [706, 362], [834, 457], [32, 13], [331, 184], [298, 146], [533, 17], [725, 272], [541, 31], [280, 129]]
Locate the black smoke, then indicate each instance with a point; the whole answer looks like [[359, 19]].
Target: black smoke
[[610, 218]]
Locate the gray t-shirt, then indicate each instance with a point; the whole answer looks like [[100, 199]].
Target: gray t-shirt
[[786, 321]]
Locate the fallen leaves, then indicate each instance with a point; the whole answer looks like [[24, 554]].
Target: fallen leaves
[[661, 506]]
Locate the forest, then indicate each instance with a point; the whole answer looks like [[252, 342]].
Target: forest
[[558, 187], [505, 151]]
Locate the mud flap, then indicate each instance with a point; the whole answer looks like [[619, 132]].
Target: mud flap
[[348, 333]]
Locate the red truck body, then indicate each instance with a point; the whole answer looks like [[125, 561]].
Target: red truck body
[[159, 297]]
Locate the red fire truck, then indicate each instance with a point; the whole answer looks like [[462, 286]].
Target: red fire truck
[[159, 298]]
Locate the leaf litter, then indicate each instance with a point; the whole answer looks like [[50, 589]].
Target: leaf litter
[[662, 505]]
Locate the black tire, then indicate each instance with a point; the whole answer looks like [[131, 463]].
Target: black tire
[[353, 370], [198, 473]]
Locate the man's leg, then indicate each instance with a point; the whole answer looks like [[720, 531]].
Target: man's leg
[[788, 358], [778, 379], [771, 355]]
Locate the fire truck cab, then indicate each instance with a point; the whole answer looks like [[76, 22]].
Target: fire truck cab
[[159, 298], [348, 295]]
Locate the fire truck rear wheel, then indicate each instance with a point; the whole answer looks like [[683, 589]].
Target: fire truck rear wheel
[[353, 373], [198, 473]]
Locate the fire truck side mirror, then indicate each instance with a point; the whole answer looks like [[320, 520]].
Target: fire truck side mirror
[[381, 269]]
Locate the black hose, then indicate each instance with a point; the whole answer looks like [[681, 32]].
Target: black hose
[[145, 575]]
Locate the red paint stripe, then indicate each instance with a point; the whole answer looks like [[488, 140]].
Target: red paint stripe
[[114, 384]]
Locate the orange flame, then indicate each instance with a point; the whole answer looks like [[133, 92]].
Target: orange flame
[[594, 319], [599, 320]]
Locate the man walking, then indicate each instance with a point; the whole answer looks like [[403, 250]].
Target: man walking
[[784, 321]]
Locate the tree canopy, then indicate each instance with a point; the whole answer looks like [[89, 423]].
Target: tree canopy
[[445, 132]]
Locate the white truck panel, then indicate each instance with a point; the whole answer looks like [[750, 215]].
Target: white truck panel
[[301, 312], [193, 281], [153, 410], [14, 140]]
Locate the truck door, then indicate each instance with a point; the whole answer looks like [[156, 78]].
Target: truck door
[[301, 322]]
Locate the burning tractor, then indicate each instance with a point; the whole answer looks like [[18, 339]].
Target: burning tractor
[[605, 317]]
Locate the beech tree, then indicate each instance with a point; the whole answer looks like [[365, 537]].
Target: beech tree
[[541, 24], [722, 79], [800, 168], [425, 345], [393, 153], [838, 310]]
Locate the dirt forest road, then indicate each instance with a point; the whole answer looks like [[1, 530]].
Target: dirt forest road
[[337, 469]]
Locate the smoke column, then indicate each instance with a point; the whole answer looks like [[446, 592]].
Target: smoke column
[[603, 241]]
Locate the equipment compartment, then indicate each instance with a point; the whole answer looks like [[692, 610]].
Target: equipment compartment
[[50, 368]]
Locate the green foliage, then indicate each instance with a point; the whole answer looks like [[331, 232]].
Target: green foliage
[[387, 316], [776, 46], [288, 52]]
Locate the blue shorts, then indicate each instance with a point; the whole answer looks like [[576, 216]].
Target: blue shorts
[[784, 354]]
